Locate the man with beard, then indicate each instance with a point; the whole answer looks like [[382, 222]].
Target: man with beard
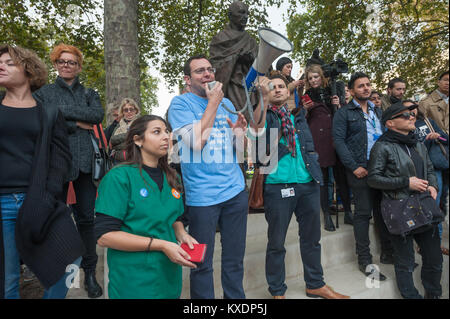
[[232, 52], [356, 127], [396, 91]]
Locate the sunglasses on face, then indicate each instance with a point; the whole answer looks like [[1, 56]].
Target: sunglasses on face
[[129, 110], [405, 115]]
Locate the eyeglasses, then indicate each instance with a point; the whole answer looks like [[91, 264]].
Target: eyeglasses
[[68, 62], [203, 70], [405, 115], [129, 110]]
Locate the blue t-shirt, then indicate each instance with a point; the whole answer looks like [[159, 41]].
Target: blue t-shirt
[[212, 175]]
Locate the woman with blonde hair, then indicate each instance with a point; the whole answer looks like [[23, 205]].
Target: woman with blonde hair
[[128, 112], [321, 106], [35, 225], [82, 109]]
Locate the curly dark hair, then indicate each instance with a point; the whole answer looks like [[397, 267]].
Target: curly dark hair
[[34, 68]]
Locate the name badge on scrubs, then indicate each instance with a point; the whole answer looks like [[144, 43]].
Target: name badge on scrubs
[[287, 192], [143, 192]]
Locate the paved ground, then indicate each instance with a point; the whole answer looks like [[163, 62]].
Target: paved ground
[[34, 290]]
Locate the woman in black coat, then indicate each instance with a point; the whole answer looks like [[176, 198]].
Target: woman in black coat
[[36, 226], [81, 109], [320, 110]]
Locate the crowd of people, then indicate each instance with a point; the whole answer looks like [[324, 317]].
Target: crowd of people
[[374, 147]]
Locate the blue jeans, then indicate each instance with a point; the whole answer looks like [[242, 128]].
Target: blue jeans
[[10, 205], [438, 198], [231, 217], [305, 204]]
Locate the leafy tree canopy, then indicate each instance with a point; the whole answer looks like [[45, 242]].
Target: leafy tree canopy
[[384, 38], [169, 32]]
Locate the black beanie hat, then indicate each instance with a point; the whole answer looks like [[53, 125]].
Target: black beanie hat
[[282, 62]]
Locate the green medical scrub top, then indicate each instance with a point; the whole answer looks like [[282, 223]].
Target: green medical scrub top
[[145, 211]]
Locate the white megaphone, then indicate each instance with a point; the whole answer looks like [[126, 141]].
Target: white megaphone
[[272, 44]]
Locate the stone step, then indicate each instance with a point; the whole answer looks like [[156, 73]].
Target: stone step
[[337, 248], [338, 257], [348, 280], [338, 261]]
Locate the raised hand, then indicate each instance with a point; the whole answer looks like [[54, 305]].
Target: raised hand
[[214, 95], [240, 127]]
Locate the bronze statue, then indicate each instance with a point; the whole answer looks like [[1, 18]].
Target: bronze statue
[[232, 52]]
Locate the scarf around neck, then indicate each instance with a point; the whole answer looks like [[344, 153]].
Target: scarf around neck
[[394, 137], [287, 127]]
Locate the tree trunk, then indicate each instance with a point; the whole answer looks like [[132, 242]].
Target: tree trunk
[[121, 53]]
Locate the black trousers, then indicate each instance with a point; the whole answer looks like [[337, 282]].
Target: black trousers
[[324, 191], [367, 200], [83, 210], [342, 187], [445, 185], [430, 249]]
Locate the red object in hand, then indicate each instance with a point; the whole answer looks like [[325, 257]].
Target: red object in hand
[[197, 254], [306, 98]]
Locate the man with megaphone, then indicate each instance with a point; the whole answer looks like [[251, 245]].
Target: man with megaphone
[[213, 181]]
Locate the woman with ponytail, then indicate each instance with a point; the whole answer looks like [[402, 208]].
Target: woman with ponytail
[[138, 206]]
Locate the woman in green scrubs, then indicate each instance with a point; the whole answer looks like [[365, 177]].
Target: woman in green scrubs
[[137, 209]]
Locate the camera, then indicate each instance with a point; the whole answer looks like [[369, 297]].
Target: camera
[[333, 69]]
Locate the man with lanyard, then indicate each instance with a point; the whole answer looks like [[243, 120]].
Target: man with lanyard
[[213, 181], [356, 127], [291, 187]]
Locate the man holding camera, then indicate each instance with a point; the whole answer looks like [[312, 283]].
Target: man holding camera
[[213, 181], [356, 127]]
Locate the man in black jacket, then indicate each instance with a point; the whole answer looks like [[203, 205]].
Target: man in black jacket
[[356, 127], [400, 166]]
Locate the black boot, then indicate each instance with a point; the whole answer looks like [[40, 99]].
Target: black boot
[[348, 218], [430, 296], [91, 285], [329, 226]]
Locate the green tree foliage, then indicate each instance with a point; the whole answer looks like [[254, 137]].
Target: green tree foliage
[[40, 25], [169, 31], [149, 87], [384, 38]]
